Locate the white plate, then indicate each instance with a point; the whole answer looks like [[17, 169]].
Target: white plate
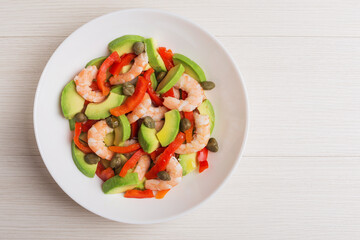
[[90, 41]]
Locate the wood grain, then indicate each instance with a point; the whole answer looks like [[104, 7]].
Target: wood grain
[[299, 177]]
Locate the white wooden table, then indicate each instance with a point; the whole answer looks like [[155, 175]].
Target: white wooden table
[[300, 174]]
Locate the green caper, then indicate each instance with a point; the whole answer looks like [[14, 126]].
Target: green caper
[[207, 85], [138, 48], [118, 170], [212, 145], [185, 124], [160, 76], [116, 161], [149, 122], [163, 175], [128, 89], [80, 117], [91, 158], [105, 163], [112, 122]]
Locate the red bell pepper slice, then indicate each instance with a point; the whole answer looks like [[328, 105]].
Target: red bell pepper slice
[[134, 100], [87, 125], [125, 59], [189, 132], [131, 162], [154, 97], [106, 174], [134, 129], [99, 169], [94, 86], [77, 142], [164, 158], [183, 95], [202, 159], [170, 93], [101, 75], [156, 153], [139, 193], [167, 57], [127, 149], [161, 194]]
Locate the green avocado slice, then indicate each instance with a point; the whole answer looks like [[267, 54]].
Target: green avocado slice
[[123, 132], [155, 59], [119, 184], [207, 109], [96, 62], [124, 44], [188, 162], [191, 67], [171, 78], [71, 101], [78, 157], [147, 139], [96, 111], [170, 129]]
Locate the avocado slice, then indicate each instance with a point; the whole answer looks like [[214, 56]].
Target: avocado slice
[[188, 162], [154, 82], [124, 44], [72, 124], [207, 109], [191, 67], [119, 184], [71, 101], [170, 129], [123, 132], [147, 139], [101, 110], [171, 78], [78, 157], [96, 62], [155, 59]]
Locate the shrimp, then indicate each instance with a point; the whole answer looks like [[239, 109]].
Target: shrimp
[[145, 109], [139, 65], [96, 135], [83, 81], [142, 166], [194, 91], [175, 171], [201, 136], [159, 125]]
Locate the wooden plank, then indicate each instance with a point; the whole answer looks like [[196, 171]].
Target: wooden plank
[[227, 17], [303, 92], [266, 198]]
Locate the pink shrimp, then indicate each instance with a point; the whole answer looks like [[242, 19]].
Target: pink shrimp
[[159, 125], [145, 109], [175, 171], [139, 65], [201, 136], [83, 81], [96, 135], [194, 98], [142, 166]]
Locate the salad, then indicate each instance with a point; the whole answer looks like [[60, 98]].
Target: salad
[[140, 118]]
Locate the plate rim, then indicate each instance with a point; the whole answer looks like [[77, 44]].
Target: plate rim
[[246, 122]]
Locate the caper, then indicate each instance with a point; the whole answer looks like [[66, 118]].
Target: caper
[[118, 170], [138, 48], [91, 158], [105, 163], [185, 124], [80, 117], [128, 89], [118, 161], [160, 76], [149, 122], [212, 145], [207, 85], [112, 122], [163, 175]]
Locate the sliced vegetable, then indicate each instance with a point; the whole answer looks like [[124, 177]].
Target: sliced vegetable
[[131, 162], [164, 158], [87, 125], [101, 75], [139, 194], [134, 100], [106, 174], [125, 59], [161, 194], [170, 93], [127, 149], [77, 142], [72, 124], [154, 97], [202, 159], [167, 57], [189, 132], [156, 153], [134, 129]]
